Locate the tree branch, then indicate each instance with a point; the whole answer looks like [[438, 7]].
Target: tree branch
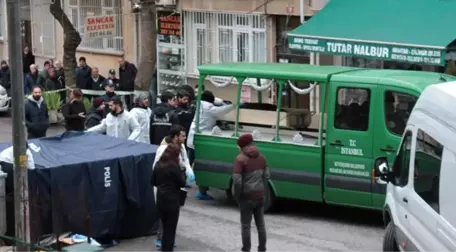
[[72, 39]]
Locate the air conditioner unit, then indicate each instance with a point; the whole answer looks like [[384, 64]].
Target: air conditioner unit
[[165, 2]]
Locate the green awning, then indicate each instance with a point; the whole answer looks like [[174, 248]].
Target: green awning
[[414, 31]]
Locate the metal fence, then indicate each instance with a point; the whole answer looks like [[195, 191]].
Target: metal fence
[[43, 29], [78, 10], [213, 37]]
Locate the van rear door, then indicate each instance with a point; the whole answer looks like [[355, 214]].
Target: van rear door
[[349, 137]]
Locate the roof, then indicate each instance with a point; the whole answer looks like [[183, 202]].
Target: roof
[[376, 23], [414, 80], [439, 102], [273, 70]]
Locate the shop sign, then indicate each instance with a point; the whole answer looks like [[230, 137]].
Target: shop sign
[[416, 55], [169, 25], [100, 26]]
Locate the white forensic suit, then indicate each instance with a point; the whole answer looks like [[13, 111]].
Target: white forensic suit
[[7, 156], [209, 114], [142, 116], [122, 125]]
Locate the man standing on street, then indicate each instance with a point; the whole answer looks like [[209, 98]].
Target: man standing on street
[[163, 117], [31, 79], [27, 59], [5, 77], [119, 123], [44, 75], [83, 74], [127, 76], [250, 180], [36, 115]]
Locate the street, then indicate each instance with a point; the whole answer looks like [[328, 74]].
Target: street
[[292, 226]]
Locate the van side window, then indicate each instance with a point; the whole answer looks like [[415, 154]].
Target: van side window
[[352, 109], [428, 158], [397, 108], [401, 164]]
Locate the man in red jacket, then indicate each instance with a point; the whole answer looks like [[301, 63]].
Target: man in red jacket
[[250, 180]]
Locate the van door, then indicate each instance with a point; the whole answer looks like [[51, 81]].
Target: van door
[[348, 150], [394, 107]]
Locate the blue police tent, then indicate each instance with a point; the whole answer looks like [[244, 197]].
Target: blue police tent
[[91, 184]]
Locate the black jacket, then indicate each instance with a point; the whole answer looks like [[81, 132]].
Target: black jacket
[[70, 112], [36, 117], [168, 179], [185, 115], [98, 84], [83, 75], [127, 76], [27, 60], [161, 120], [52, 84], [93, 118], [60, 74], [5, 77]]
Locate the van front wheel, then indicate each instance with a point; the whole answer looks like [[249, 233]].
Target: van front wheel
[[389, 240]]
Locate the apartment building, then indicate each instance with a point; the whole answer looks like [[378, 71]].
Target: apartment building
[[45, 36]]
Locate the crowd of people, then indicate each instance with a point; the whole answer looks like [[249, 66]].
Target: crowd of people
[[52, 76], [171, 125]]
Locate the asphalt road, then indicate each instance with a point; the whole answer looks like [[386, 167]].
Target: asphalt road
[[293, 226]]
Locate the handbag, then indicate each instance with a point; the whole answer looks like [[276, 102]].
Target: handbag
[[182, 196]]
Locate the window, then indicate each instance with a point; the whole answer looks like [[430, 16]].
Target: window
[[428, 159], [43, 29], [398, 107], [352, 109], [219, 37], [79, 10], [401, 164]]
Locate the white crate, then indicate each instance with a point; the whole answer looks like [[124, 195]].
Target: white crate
[[2, 203]]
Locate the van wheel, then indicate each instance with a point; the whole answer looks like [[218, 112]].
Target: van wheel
[[269, 198], [389, 240]]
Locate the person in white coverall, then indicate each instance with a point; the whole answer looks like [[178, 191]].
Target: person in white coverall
[[7, 156], [209, 114], [118, 123], [142, 113], [177, 135]]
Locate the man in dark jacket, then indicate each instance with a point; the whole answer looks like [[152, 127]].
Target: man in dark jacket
[[96, 113], [110, 94], [250, 181], [43, 75], [163, 117], [74, 112], [96, 81], [83, 74], [127, 76], [52, 83], [185, 110], [36, 115], [5, 77], [27, 59], [31, 79]]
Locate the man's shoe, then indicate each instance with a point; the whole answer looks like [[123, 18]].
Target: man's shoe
[[203, 196], [158, 243]]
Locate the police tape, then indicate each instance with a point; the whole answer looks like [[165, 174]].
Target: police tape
[[98, 92]]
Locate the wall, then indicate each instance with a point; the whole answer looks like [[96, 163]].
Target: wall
[[104, 61]]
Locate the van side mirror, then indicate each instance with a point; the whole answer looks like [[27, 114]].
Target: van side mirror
[[381, 170]]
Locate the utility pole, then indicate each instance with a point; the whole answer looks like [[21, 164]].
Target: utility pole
[[21, 210]]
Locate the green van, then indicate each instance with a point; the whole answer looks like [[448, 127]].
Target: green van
[[326, 155]]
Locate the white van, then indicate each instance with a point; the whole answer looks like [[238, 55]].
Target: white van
[[420, 207]]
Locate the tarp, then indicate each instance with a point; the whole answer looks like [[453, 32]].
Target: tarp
[[91, 184]]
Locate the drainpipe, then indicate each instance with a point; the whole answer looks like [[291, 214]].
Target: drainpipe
[[302, 11]]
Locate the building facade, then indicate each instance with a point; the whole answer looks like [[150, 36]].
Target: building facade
[[210, 32], [45, 35]]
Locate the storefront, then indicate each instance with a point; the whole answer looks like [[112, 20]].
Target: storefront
[[170, 51], [407, 34]]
